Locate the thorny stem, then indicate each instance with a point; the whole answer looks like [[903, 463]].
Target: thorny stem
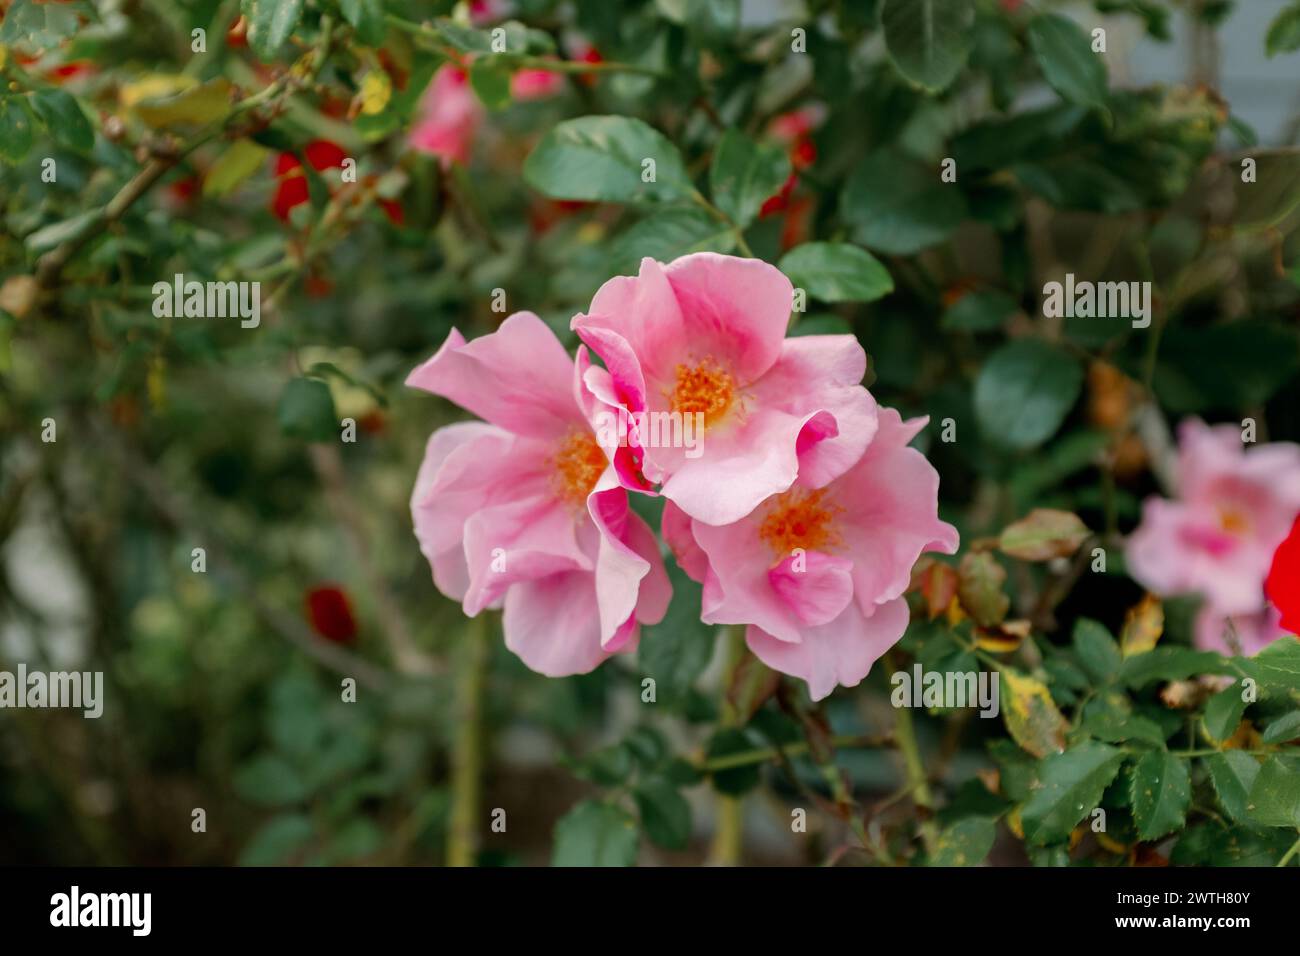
[[763, 754], [521, 61], [467, 748], [905, 734], [730, 830]]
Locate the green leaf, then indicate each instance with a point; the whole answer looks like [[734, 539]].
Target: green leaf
[[665, 814], [979, 312], [1278, 666], [744, 175], [15, 129], [306, 410], [1284, 32], [367, 18], [1024, 391], [600, 159], [669, 234], [1159, 791], [1223, 712], [1275, 795], [965, 843], [465, 39], [270, 780], [898, 206], [1170, 663], [1285, 728], [675, 651], [928, 41], [277, 840], [1064, 53], [240, 160], [490, 80], [270, 22], [1233, 773], [1097, 650], [595, 834], [836, 272], [1111, 718], [1070, 787], [64, 118]]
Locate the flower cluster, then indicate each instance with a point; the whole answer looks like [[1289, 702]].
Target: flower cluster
[[802, 511], [1223, 535]]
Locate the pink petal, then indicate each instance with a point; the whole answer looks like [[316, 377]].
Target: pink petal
[[518, 377], [735, 310], [891, 511], [553, 626], [676, 528], [522, 541], [816, 587], [836, 654]]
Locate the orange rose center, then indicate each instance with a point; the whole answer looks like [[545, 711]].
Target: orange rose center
[[706, 388], [579, 463], [1233, 521], [800, 519]]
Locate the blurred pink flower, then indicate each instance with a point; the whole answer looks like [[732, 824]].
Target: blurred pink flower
[[1217, 537], [818, 572], [531, 84], [1237, 633], [523, 510], [449, 117], [705, 335]]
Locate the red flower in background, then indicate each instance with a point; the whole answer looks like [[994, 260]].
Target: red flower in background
[[1283, 583], [292, 190], [330, 613]]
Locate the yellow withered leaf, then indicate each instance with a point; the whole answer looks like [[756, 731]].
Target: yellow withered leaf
[[1143, 625], [376, 91], [1031, 715]]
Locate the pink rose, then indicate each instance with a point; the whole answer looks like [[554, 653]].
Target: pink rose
[[449, 117], [1218, 537], [818, 571], [530, 84], [703, 339], [523, 510]]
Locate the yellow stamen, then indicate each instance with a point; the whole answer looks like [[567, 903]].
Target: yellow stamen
[[800, 519], [579, 463], [707, 388]]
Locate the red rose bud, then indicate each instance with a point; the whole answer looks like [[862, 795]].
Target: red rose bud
[[330, 614], [1283, 583]]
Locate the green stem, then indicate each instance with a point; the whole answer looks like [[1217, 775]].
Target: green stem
[[467, 748], [1286, 857], [729, 835], [520, 61], [744, 758], [905, 734]]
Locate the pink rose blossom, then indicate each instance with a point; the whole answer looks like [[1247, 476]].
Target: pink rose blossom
[[705, 335], [449, 117], [1238, 633], [818, 572], [1217, 538], [530, 84], [523, 510]]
